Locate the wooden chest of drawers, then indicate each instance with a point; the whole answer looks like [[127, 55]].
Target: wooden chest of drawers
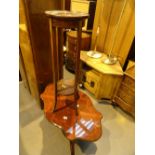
[[72, 47], [125, 96]]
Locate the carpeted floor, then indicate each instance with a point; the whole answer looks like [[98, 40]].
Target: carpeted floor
[[39, 137]]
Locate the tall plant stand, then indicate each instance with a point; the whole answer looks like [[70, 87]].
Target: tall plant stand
[[64, 105]]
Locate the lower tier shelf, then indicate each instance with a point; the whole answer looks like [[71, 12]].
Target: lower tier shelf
[[85, 126]]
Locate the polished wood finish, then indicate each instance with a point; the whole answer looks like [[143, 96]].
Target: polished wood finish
[[86, 126], [74, 114], [57, 21], [108, 21]]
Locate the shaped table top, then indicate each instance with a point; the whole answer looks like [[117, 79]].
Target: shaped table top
[[85, 126]]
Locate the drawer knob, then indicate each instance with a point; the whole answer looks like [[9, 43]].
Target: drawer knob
[[92, 83]]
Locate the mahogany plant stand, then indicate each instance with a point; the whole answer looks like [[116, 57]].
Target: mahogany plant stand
[[64, 105]]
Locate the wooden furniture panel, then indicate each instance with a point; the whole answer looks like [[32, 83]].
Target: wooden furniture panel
[[98, 64], [38, 27], [109, 84], [79, 5], [127, 107], [125, 96], [26, 52], [107, 15], [67, 4], [103, 86], [86, 6], [92, 81], [129, 82], [106, 78]]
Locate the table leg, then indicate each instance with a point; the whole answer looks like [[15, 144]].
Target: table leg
[[72, 148], [54, 59], [60, 52], [79, 33]]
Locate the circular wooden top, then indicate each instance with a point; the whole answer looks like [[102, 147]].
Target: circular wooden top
[[66, 14]]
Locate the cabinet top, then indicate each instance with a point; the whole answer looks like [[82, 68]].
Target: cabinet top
[[98, 64]]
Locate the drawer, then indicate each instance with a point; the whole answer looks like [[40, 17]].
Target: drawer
[[126, 95], [129, 82]]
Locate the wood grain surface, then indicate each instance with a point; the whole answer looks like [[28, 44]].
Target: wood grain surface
[[98, 64], [86, 126], [107, 17]]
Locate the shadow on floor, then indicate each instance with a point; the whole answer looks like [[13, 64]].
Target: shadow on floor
[[100, 147], [22, 150], [124, 114], [29, 115], [104, 142], [88, 148], [54, 142]]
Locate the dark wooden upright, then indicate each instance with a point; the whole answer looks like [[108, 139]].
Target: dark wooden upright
[[64, 105]]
